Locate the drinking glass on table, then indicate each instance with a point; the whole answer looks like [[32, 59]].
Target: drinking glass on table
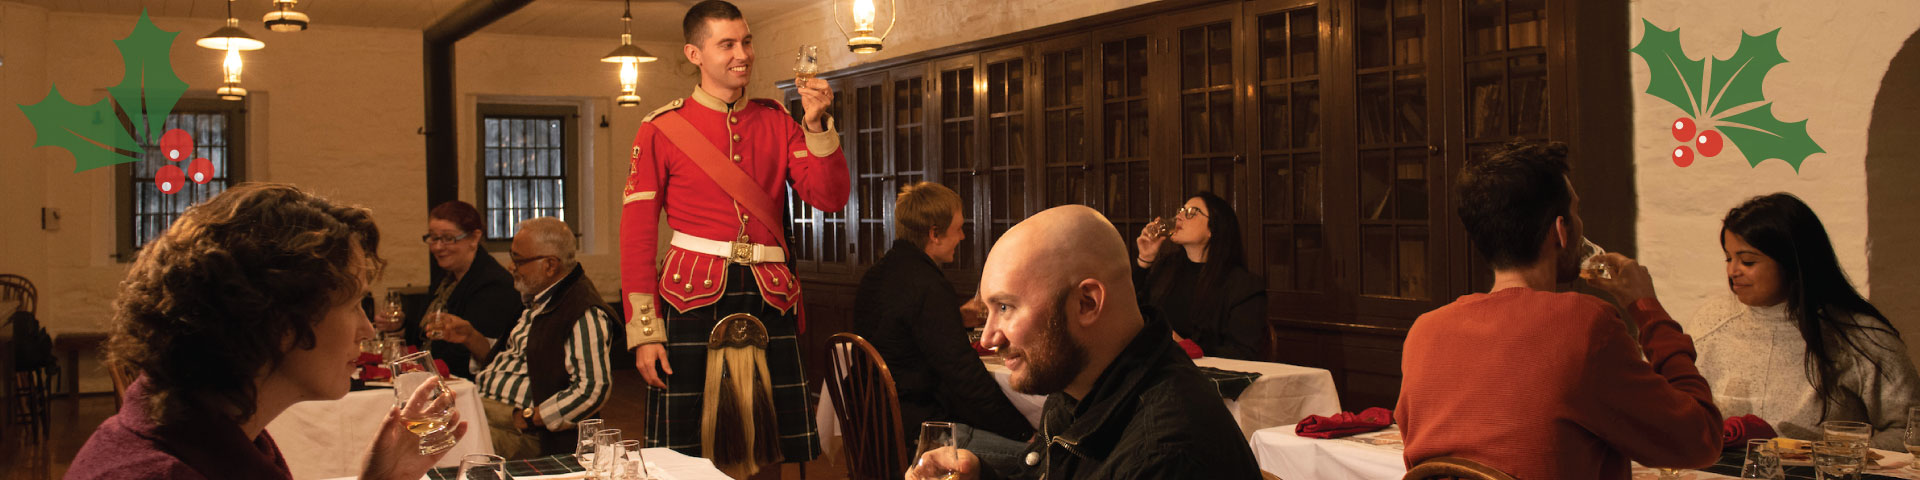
[[806, 65], [629, 465], [409, 372], [940, 438], [583, 450], [1762, 461], [606, 453], [1838, 459], [1590, 264], [480, 466], [1912, 438]]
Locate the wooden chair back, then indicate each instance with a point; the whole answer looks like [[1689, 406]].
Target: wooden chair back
[[1452, 468], [868, 407], [121, 378], [15, 287]]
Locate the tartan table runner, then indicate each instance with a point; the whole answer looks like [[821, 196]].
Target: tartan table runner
[[1732, 458], [549, 465]]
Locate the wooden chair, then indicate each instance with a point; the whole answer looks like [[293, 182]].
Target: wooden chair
[[1453, 468], [868, 408], [15, 287], [1266, 475], [31, 381]]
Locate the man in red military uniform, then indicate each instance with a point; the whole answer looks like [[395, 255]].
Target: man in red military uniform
[[727, 260]]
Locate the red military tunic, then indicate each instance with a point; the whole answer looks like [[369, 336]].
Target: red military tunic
[[763, 140]]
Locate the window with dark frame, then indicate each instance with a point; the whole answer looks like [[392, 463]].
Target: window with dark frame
[[528, 166], [218, 128]]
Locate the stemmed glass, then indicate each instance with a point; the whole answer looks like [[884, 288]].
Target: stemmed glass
[[630, 465], [1590, 264], [480, 466], [583, 451], [409, 372], [606, 453], [806, 65], [1762, 460], [1912, 438], [394, 308], [943, 438]]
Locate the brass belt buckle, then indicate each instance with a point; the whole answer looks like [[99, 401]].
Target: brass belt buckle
[[741, 253], [738, 330]]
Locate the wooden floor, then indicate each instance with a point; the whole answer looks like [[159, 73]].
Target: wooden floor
[[75, 419]]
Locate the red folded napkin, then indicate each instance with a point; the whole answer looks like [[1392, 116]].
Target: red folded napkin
[[375, 372], [1745, 427], [1193, 349], [368, 359], [1344, 423], [441, 365]]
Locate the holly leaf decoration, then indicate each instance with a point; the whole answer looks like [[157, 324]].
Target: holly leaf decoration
[[1762, 136], [149, 81], [1736, 80], [1676, 78], [91, 132]]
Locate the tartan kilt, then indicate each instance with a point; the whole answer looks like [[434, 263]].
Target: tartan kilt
[[673, 414]]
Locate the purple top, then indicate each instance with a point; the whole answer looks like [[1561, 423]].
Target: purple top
[[129, 445]]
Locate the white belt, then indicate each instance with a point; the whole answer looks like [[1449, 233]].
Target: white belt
[[736, 252]]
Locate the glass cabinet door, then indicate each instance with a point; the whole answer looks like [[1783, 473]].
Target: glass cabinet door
[[958, 127], [1287, 73], [1504, 97], [1123, 153], [872, 177], [1394, 124], [1007, 153], [1063, 71]]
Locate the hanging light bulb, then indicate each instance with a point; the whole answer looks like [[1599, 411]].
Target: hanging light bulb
[[230, 37], [626, 52], [862, 39], [284, 19], [230, 90], [629, 77]]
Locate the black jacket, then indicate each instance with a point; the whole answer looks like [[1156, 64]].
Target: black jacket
[[1227, 320], [908, 310], [1151, 414], [485, 298]]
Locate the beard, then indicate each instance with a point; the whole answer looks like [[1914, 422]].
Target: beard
[[1568, 266], [1057, 359]]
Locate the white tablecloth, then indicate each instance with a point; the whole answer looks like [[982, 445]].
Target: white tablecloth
[[329, 439], [662, 464], [1378, 456], [1282, 395]]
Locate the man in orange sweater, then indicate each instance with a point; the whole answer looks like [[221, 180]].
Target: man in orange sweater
[[1546, 385]]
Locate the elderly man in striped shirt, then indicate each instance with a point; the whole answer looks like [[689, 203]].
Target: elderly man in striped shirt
[[551, 371]]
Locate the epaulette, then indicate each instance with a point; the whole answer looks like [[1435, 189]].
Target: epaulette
[[773, 104], [676, 103]]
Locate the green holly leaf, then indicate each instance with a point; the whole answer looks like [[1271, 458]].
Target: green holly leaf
[[1737, 79], [1676, 78], [149, 78], [91, 132], [1762, 136]]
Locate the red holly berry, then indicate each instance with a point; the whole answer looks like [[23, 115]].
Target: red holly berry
[[176, 145], [1682, 156], [1683, 129], [169, 179], [1709, 143], [201, 170]]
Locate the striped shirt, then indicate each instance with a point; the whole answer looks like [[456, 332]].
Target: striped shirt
[[506, 378]]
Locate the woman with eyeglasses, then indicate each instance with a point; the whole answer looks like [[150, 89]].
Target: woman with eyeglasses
[[1195, 276], [469, 285]]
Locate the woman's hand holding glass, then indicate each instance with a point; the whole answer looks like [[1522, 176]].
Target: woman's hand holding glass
[[1150, 239], [396, 452]]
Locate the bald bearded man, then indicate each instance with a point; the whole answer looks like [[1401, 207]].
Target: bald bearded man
[[1124, 401]]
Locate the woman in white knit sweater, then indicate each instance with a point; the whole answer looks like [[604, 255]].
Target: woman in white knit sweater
[[1796, 344]]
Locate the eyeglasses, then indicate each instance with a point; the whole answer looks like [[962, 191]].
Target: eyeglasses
[[1189, 212], [519, 260], [433, 239]]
